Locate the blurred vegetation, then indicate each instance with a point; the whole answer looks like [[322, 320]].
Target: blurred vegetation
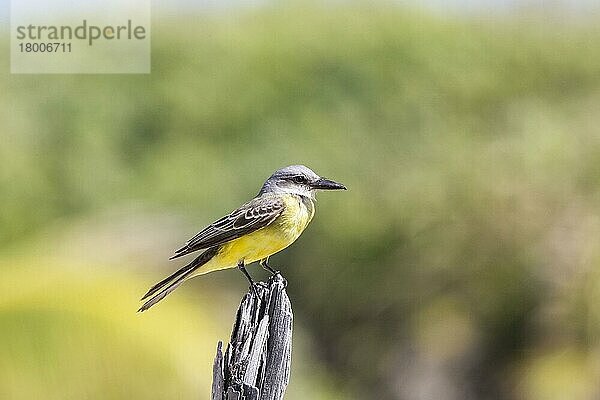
[[461, 264]]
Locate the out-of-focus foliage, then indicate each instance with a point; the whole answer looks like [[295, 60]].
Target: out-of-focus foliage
[[463, 261], [75, 335]]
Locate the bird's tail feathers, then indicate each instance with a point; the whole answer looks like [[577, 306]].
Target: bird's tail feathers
[[170, 283]]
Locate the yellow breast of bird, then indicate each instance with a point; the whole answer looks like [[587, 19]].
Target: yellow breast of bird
[[271, 239]]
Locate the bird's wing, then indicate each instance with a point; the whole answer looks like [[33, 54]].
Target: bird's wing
[[256, 214]]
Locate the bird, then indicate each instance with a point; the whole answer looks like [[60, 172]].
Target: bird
[[263, 226]]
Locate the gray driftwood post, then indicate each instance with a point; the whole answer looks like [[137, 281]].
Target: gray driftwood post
[[256, 364]]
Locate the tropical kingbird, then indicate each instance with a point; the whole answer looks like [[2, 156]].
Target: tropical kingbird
[[268, 223]]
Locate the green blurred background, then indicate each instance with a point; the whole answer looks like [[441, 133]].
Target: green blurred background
[[462, 263]]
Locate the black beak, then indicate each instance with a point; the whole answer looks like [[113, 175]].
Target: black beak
[[326, 184]]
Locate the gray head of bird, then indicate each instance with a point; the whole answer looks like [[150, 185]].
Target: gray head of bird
[[300, 180]]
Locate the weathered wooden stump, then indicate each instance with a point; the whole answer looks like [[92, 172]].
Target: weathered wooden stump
[[256, 364]]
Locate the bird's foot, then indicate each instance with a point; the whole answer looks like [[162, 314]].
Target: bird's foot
[[258, 288], [267, 267], [279, 277]]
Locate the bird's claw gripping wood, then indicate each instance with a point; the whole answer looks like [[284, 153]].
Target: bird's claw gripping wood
[[242, 268], [264, 263]]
